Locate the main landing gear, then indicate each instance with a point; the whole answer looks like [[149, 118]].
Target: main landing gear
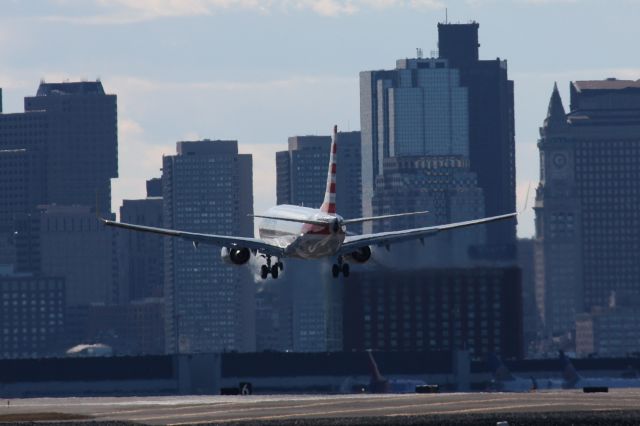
[[274, 269], [340, 267]]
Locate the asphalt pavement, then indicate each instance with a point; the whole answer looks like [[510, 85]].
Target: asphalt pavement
[[619, 406]]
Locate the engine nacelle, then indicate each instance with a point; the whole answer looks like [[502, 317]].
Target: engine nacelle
[[361, 255], [235, 256]]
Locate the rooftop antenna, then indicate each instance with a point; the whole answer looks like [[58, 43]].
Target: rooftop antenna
[[419, 52], [446, 15]]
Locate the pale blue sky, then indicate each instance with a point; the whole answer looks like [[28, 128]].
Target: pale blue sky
[[260, 71]]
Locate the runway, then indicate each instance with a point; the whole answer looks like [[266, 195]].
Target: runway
[[335, 409]]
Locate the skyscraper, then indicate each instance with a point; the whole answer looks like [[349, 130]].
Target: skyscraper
[[587, 208], [418, 109], [491, 129], [312, 308], [62, 150], [207, 187], [446, 188], [453, 105], [141, 255], [302, 173], [14, 170], [81, 134]]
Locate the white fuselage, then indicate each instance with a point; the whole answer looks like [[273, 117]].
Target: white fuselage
[[302, 240]]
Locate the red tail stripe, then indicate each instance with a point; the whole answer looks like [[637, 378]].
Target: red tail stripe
[[334, 148], [332, 188], [333, 168]]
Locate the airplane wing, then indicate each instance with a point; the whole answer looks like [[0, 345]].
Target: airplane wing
[[216, 240], [354, 242]]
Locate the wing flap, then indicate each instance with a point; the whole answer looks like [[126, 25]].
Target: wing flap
[[216, 240], [352, 243], [291, 219], [386, 216]]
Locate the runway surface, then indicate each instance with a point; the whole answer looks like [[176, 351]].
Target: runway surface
[[335, 409]]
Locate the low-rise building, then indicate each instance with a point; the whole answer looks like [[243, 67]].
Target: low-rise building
[[31, 315], [439, 309]]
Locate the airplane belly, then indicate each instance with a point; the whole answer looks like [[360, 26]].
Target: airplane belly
[[305, 241], [312, 246]]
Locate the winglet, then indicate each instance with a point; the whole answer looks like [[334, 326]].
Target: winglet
[[526, 200]]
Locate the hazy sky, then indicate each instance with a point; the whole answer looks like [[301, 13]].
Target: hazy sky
[[260, 71]]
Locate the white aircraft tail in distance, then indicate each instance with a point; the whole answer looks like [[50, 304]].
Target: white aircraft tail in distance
[[289, 231]]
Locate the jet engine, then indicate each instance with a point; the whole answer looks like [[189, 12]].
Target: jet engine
[[235, 256], [361, 255]]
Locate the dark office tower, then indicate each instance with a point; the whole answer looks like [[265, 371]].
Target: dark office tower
[[530, 322], [302, 173], [23, 138], [491, 128], [441, 309], [154, 187], [141, 255], [459, 44], [81, 135], [14, 178], [587, 204], [207, 187]]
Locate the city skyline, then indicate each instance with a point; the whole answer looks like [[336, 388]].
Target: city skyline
[[175, 85]]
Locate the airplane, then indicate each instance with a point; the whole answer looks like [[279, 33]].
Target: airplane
[[306, 233], [572, 380]]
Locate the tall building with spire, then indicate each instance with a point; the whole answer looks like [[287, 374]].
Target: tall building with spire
[[588, 201], [557, 246]]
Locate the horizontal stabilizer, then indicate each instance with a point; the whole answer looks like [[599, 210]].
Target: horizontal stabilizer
[[386, 216], [289, 219]]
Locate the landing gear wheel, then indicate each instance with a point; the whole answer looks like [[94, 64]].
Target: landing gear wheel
[[280, 265], [345, 270], [274, 271], [264, 272], [335, 271]]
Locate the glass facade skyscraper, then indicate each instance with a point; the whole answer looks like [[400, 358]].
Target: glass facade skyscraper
[[418, 109], [455, 104]]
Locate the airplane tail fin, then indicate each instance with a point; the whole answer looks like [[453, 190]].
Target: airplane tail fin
[[373, 367], [569, 373], [329, 203], [497, 367]]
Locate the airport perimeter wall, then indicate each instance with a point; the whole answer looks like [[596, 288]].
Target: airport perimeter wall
[[269, 372]]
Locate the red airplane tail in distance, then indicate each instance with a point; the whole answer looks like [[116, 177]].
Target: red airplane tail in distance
[[378, 383]]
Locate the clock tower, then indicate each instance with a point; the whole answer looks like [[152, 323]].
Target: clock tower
[[557, 248]]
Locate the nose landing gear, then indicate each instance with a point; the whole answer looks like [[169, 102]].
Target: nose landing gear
[[267, 269], [340, 267]]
